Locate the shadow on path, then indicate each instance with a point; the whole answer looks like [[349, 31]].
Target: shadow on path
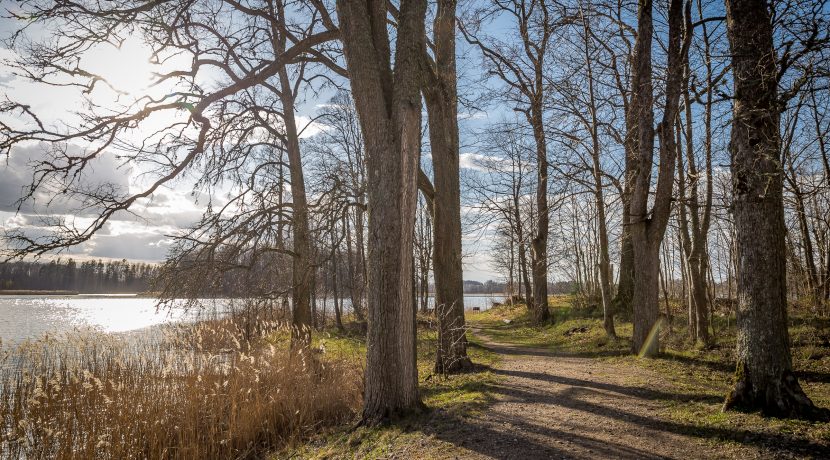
[[547, 408]]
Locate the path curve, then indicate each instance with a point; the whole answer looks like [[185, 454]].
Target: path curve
[[557, 406]]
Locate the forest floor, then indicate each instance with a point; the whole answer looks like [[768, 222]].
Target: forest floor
[[566, 391]]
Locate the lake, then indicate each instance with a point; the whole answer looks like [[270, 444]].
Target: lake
[[28, 317]]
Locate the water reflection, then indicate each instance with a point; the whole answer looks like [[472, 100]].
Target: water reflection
[[33, 316]]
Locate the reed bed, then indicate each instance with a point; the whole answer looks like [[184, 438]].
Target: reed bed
[[205, 390]]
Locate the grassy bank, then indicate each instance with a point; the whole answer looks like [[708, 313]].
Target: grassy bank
[[684, 368], [447, 398]]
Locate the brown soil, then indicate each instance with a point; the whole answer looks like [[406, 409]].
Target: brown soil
[[550, 405]]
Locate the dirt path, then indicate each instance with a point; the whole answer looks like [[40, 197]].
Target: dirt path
[[553, 406]]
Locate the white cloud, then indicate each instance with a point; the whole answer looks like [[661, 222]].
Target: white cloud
[[476, 115], [471, 160], [307, 127]]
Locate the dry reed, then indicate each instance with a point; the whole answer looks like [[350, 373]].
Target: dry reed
[[209, 390]]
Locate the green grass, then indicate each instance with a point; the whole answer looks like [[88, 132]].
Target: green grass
[[451, 396], [573, 330], [691, 380], [683, 367]]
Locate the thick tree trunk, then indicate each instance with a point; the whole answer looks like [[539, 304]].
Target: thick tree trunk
[[648, 226], [442, 107], [389, 108], [764, 378], [646, 295], [701, 300], [641, 137], [625, 285]]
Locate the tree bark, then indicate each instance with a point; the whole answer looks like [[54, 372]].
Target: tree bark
[[520, 239], [388, 104], [599, 197], [625, 285], [338, 299], [764, 379], [302, 271], [441, 97], [539, 244], [648, 225]]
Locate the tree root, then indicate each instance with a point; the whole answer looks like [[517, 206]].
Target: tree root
[[457, 366], [388, 417], [782, 399]]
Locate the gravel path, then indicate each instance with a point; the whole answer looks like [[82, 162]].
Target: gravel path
[[553, 406]]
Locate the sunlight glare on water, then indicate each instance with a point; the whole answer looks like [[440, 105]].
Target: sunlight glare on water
[[32, 316]]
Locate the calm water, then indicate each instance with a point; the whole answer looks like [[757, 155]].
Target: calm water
[[33, 316]]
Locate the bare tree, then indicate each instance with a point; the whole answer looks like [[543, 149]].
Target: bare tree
[[423, 253], [592, 123], [520, 66], [341, 170], [224, 130], [441, 97], [388, 103], [649, 225], [764, 377], [501, 189]]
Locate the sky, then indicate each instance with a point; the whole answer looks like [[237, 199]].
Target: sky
[[143, 235]]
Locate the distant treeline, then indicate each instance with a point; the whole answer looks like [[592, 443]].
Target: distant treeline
[[500, 287], [91, 276]]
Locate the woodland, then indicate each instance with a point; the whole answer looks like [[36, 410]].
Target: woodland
[[658, 172]]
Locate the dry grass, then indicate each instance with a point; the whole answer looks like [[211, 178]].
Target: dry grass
[[210, 390]]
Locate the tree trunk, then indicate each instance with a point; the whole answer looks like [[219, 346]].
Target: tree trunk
[[539, 245], [814, 286], [523, 272], [694, 230], [441, 98], [389, 108], [338, 300], [625, 285], [361, 273], [648, 226], [646, 294], [764, 378], [641, 136], [355, 275], [302, 273], [599, 198]]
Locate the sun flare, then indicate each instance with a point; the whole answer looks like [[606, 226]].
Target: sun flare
[[126, 69]]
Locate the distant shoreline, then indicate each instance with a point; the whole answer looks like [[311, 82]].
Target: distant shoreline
[[36, 292], [58, 292], [153, 294]]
